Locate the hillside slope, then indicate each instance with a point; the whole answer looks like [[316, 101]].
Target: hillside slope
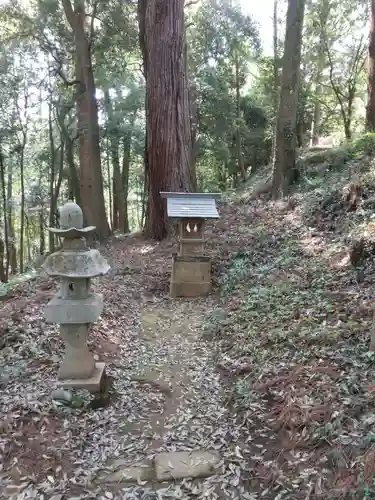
[[295, 324], [273, 370]]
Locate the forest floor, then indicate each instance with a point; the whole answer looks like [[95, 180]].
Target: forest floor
[[272, 370]]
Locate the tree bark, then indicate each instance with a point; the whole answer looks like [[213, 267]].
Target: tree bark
[[370, 116], [110, 181], [315, 127], [22, 224], [4, 277], [241, 164], [73, 178], [42, 236], [124, 217], [275, 90], [285, 155], [168, 127], [11, 236], [114, 141], [91, 179]]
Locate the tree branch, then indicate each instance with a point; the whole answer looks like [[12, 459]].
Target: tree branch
[[69, 12], [93, 15], [192, 2], [335, 88]]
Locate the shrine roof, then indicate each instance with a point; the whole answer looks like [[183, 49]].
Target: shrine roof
[[191, 205]]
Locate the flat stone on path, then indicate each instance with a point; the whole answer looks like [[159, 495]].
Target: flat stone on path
[[181, 464], [130, 473]]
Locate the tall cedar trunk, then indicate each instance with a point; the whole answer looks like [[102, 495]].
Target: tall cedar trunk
[[241, 165], [4, 277], [285, 155], [168, 132], [371, 72], [11, 236], [114, 140], [91, 179], [275, 90]]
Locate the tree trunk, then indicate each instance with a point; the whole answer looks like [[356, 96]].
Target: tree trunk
[[91, 179], [370, 117], [168, 132], [110, 181], [315, 126], [4, 276], [285, 155], [55, 190], [52, 208], [275, 90], [241, 165], [349, 115], [114, 141], [124, 218], [11, 236], [73, 179], [22, 224], [42, 236]]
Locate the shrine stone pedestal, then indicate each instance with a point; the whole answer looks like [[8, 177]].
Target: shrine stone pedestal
[[74, 307], [191, 269], [191, 276]]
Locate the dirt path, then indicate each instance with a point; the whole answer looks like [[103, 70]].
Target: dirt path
[[190, 413], [168, 395]]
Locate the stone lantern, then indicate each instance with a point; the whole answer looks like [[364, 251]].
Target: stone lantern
[[74, 307], [191, 269]]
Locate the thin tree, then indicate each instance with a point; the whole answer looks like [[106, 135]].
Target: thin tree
[[91, 178], [370, 118]]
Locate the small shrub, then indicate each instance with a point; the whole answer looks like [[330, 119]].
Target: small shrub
[[238, 271], [364, 144]]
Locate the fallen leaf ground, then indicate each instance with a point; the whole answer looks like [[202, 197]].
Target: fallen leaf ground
[[272, 370]]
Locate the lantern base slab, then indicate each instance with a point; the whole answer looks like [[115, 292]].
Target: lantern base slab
[[91, 384]]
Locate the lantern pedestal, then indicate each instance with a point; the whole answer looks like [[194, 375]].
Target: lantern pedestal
[[191, 276], [93, 383]]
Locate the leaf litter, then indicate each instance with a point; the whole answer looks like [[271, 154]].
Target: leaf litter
[[272, 370]]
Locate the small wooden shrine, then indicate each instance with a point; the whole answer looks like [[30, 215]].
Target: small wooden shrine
[[191, 269]]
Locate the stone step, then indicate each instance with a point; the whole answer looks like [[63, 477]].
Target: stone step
[[165, 467]]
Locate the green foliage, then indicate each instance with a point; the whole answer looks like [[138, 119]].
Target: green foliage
[[238, 270], [364, 144], [222, 43], [310, 165]]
